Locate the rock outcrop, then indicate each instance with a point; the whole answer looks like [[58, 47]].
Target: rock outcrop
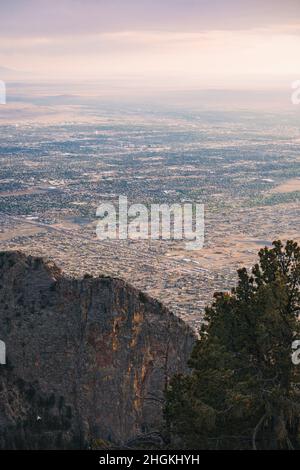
[[87, 359]]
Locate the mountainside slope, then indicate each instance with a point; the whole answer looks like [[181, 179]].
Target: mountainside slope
[[86, 358]]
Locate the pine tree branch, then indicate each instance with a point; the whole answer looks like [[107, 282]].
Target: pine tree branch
[[260, 422]]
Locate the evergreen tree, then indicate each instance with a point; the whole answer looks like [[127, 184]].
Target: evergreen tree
[[244, 390]]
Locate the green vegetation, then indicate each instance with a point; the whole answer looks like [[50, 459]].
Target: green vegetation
[[244, 390], [274, 199]]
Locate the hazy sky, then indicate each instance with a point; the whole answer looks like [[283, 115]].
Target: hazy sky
[[194, 42]]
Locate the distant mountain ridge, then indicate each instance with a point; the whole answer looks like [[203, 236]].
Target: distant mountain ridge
[[87, 359]]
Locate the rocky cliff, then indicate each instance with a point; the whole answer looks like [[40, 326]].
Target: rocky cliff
[[87, 359]]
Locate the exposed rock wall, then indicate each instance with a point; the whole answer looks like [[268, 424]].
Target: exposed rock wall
[[86, 358]]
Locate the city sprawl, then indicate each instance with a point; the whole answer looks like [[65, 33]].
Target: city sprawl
[[243, 166]]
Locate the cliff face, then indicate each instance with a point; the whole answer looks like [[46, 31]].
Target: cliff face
[[86, 358]]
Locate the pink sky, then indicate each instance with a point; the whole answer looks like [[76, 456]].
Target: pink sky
[[189, 42]]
